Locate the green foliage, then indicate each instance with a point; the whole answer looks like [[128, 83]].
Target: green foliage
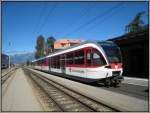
[[50, 44], [43, 48], [136, 24], [40, 47]]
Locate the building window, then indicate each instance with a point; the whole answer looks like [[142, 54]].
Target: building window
[[72, 44], [63, 44]]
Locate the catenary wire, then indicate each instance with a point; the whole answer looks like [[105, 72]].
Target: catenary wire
[[107, 17], [47, 17], [95, 18]]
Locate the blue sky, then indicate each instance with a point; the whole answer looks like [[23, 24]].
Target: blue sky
[[23, 22]]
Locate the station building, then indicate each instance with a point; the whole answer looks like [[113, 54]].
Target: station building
[[64, 43], [135, 53]]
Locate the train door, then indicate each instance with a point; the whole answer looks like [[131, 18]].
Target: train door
[[49, 63], [88, 57], [62, 64]]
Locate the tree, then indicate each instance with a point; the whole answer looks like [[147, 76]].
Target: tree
[[40, 47], [135, 24], [50, 44]]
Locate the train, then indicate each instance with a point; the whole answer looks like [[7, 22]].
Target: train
[[5, 61], [89, 61]]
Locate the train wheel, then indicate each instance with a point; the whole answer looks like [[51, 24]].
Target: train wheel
[[116, 84], [107, 82]]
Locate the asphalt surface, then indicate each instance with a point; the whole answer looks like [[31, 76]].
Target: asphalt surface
[[137, 91], [18, 95], [134, 87]]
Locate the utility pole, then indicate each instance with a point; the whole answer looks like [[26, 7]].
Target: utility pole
[[9, 55], [9, 61]]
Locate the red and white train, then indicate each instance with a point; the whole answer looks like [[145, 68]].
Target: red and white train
[[90, 61]]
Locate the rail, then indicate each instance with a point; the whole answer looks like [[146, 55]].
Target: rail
[[5, 76], [63, 98]]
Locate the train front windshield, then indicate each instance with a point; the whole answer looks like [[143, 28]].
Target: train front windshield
[[112, 51]]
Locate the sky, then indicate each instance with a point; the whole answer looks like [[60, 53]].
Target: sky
[[23, 22]]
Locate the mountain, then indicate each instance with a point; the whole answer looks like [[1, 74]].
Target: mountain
[[21, 58]]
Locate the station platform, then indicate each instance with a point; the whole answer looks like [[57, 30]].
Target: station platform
[[18, 95], [136, 81], [116, 100]]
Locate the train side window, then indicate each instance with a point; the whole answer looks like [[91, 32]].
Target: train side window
[[88, 57], [39, 62], [98, 58], [58, 62], [43, 61], [49, 62], [70, 58], [79, 57], [55, 62], [52, 62]]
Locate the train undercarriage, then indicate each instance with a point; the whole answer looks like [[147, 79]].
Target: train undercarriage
[[113, 81]]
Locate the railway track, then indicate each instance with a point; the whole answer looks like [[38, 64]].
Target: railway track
[[61, 98], [5, 76], [3, 70]]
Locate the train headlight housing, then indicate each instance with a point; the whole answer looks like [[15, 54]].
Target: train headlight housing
[[116, 73]]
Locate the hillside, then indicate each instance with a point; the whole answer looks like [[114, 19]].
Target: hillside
[[21, 58]]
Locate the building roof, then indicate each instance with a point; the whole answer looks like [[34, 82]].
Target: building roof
[[132, 35], [69, 40]]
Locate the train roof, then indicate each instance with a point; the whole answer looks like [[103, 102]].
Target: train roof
[[86, 42], [4, 54]]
